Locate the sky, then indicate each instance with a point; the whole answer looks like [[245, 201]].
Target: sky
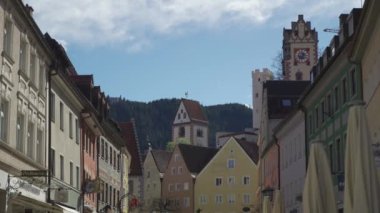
[[144, 50]]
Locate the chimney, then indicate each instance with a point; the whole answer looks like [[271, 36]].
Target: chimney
[[29, 9]]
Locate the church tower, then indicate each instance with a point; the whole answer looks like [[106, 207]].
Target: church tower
[[300, 50], [190, 123], [258, 79]]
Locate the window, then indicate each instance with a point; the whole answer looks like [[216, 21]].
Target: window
[[118, 162], [178, 187], [179, 170], [106, 193], [3, 120], [353, 82], [171, 187], [199, 133], [62, 164], [77, 177], [231, 163], [176, 157], [23, 52], [329, 105], [299, 76], [30, 140], [316, 118], [32, 68], [174, 170], [186, 186], [71, 173], [7, 42], [344, 90], [20, 132], [231, 199], [231, 180], [148, 174], [178, 116], [331, 153], [246, 180], [111, 155], [114, 159], [184, 115], [286, 103], [70, 125], [323, 111], [218, 199], [41, 77], [203, 199], [102, 148], [61, 116], [246, 199], [336, 94], [52, 107], [186, 202], [106, 149], [218, 181], [182, 131], [339, 154], [40, 146], [52, 160], [76, 131]]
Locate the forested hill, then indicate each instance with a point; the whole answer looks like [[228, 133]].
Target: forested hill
[[154, 119]]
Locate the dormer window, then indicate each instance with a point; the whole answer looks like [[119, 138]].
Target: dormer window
[[179, 116], [184, 115]]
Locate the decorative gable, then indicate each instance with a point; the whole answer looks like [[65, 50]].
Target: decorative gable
[[182, 116]]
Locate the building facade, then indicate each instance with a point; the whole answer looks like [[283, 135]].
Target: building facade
[[25, 62], [155, 164], [326, 102], [290, 134], [228, 183]]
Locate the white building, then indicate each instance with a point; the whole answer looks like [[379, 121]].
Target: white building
[[290, 134]]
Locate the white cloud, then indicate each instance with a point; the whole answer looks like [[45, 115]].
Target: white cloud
[[135, 22]]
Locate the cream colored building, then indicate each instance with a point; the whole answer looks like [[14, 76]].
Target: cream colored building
[[25, 60], [229, 182], [154, 168], [366, 52]]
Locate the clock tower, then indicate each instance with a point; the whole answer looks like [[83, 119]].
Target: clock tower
[[299, 50]]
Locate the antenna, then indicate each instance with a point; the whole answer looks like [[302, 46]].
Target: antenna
[[328, 30]]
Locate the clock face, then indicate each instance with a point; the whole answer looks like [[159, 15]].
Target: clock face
[[302, 55]]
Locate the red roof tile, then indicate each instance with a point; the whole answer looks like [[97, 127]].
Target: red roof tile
[[194, 110]]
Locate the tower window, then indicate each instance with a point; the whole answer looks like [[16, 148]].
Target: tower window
[[299, 76], [182, 131]]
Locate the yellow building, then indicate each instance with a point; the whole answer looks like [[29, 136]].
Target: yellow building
[[230, 180], [154, 167]]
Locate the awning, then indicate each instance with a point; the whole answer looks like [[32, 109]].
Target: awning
[[67, 209]]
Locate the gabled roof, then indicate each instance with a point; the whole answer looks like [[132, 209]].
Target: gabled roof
[[250, 148], [161, 158], [194, 110], [129, 134], [196, 157]]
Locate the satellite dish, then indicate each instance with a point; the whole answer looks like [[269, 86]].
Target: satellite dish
[[61, 195]]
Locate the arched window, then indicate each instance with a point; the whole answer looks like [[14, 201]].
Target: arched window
[[299, 76], [182, 131]]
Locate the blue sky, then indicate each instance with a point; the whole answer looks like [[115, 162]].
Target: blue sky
[[145, 50]]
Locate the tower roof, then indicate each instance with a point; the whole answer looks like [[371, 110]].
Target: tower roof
[[194, 110]]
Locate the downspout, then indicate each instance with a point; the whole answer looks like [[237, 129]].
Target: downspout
[[278, 161], [304, 111], [97, 170], [49, 74]]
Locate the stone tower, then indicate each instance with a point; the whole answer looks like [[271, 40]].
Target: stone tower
[[258, 79], [300, 50]]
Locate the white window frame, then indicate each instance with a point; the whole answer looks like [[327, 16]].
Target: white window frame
[[231, 199], [218, 199], [246, 198], [186, 186], [231, 180], [248, 178], [203, 199]]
